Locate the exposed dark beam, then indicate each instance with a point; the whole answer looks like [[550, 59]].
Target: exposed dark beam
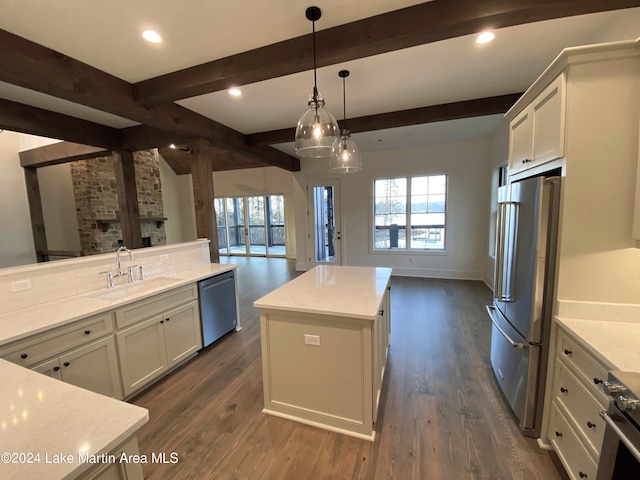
[[35, 211], [203, 195], [403, 118], [22, 118], [127, 189], [420, 24], [29, 65], [61, 152]]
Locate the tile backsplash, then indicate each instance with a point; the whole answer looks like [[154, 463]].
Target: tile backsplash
[[65, 278]]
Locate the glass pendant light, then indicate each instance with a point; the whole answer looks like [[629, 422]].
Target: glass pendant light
[[317, 128], [345, 156]]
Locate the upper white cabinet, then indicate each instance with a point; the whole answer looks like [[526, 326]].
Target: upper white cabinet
[[636, 211], [536, 134]]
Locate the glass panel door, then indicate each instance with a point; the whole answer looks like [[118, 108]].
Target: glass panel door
[[255, 237], [275, 226], [235, 226], [325, 222], [220, 223]]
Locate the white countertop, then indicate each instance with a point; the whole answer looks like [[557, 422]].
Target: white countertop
[[616, 344], [40, 415], [29, 321], [354, 292]]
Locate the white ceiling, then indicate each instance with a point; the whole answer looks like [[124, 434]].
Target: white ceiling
[[106, 35]]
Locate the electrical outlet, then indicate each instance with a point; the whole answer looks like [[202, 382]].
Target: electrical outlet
[[21, 285], [164, 257], [312, 340], [410, 259]]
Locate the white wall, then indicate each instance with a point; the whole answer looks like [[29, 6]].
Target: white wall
[[177, 200], [626, 28], [28, 142], [16, 240], [466, 164], [59, 207]]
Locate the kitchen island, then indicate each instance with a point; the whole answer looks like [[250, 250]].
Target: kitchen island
[[325, 338]]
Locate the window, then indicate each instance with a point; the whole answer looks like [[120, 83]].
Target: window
[[410, 213]]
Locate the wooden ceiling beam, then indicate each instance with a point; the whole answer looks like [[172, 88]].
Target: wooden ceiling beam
[[35, 67], [18, 117], [417, 25], [61, 152], [415, 116]]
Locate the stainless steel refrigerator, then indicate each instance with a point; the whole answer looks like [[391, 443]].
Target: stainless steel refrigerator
[[526, 237]]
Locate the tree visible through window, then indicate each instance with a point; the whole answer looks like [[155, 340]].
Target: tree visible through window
[[410, 213]]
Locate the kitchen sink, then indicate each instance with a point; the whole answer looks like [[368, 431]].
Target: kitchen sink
[[143, 286]]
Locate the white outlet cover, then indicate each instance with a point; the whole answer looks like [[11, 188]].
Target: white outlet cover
[[164, 257], [312, 340], [21, 285]]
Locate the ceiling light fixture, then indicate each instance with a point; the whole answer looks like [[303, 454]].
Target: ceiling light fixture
[[151, 36], [317, 129], [345, 157], [235, 92], [485, 37]]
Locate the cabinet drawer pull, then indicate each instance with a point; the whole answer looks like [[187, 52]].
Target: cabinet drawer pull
[[567, 352], [55, 369], [381, 312], [87, 332], [167, 319], [23, 356], [161, 321], [583, 475], [66, 364], [591, 425], [563, 390], [597, 380], [558, 434]]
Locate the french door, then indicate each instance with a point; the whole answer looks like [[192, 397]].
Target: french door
[[251, 225], [325, 223]]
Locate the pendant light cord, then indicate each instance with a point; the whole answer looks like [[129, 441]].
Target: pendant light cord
[[344, 102], [315, 78]]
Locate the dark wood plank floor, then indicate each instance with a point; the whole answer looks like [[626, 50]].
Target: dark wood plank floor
[[441, 415]]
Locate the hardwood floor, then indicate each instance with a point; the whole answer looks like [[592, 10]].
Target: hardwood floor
[[441, 416]]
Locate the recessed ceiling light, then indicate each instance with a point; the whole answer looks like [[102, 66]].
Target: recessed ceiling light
[[151, 36], [173, 145], [235, 92], [485, 37]]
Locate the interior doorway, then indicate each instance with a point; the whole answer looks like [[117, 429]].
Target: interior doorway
[[325, 223]]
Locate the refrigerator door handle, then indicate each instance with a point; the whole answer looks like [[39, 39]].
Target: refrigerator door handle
[[507, 224], [500, 230], [519, 346]]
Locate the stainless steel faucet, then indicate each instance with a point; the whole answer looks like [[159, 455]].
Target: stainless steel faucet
[[122, 248]]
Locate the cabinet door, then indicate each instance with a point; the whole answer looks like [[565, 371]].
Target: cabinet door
[[50, 368], [182, 333], [520, 141], [94, 367], [549, 122], [142, 353]]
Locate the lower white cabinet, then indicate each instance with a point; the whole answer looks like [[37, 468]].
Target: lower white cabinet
[[575, 427], [93, 366], [118, 470], [149, 348]]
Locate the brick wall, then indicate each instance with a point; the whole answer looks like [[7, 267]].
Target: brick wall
[[96, 196]]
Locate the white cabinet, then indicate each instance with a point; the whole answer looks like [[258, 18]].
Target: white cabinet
[[536, 135], [575, 427], [118, 470], [636, 211], [93, 366], [380, 349], [151, 347]]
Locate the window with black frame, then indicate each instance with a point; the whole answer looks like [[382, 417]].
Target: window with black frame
[[410, 213]]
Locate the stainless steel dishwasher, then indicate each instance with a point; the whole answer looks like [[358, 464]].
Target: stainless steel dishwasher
[[218, 310]]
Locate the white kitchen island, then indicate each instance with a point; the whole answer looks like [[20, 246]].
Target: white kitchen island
[[325, 337]]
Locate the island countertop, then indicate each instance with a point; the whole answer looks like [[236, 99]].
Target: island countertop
[[354, 292], [41, 415]]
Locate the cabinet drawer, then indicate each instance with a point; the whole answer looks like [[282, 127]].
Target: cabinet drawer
[[581, 406], [48, 344], [155, 305], [573, 454], [589, 370]]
